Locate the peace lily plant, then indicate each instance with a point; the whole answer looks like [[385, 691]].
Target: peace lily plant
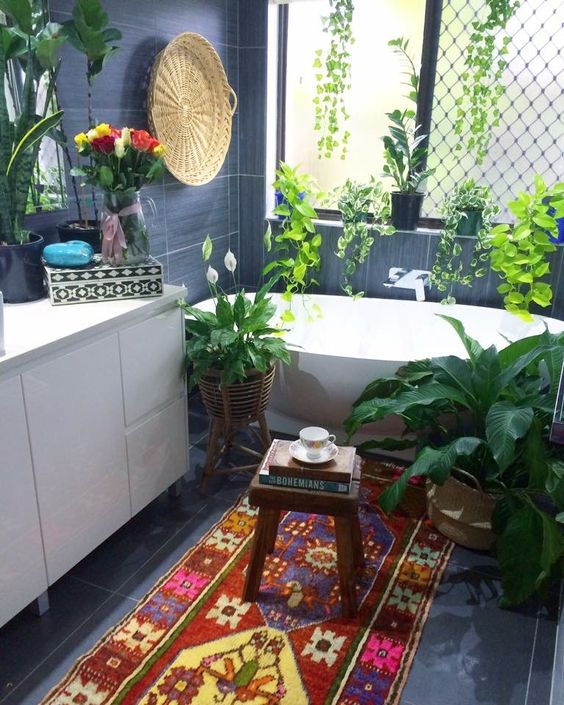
[[235, 338], [490, 415]]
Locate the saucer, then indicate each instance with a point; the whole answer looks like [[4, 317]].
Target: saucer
[[298, 452]]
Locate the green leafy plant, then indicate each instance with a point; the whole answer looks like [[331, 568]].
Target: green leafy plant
[[236, 337], [404, 155], [482, 87], [333, 76], [519, 254], [490, 415], [31, 44], [89, 34], [297, 243], [449, 269], [365, 210]]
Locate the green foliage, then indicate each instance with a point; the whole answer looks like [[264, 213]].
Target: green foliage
[[404, 154], [236, 337], [519, 254], [477, 109], [333, 76], [357, 204], [448, 269], [297, 244], [31, 44], [489, 415]]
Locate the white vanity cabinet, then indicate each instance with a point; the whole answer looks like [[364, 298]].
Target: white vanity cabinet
[[93, 426]]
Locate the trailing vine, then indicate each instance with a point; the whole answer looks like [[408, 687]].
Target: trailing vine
[[482, 85], [333, 77], [357, 202], [449, 269], [297, 243]]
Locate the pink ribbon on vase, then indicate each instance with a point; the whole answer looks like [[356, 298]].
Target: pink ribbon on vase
[[113, 240]]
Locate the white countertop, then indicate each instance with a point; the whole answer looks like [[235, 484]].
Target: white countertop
[[33, 329]]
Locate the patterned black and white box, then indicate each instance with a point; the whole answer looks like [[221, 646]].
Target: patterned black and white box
[[104, 282]]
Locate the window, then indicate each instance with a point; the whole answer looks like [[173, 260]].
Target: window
[[529, 140]]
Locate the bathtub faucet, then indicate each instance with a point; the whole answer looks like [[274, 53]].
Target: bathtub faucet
[[415, 279]]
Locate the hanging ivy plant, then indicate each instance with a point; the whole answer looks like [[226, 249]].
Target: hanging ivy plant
[[333, 76], [357, 203], [458, 207], [482, 85]]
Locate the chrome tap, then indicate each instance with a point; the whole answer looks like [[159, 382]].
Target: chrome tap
[[415, 279]]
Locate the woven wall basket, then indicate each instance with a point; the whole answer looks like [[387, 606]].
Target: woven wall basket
[[191, 107]]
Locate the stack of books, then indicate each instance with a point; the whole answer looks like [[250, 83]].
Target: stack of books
[[280, 469]]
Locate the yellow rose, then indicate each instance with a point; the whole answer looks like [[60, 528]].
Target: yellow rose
[[119, 147], [81, 140], [159, 150], [102, 129], [126, 136]]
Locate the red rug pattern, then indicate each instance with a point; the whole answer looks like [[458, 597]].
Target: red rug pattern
[[193, 641]]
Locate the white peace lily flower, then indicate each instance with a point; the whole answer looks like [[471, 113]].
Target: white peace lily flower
[[119, 147], [211, 275], [230, 261]]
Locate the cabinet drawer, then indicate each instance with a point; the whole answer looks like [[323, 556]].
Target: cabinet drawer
[[152, 359], [157, 451]]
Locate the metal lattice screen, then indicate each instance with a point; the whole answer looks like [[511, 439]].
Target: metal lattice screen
[[530, 138]]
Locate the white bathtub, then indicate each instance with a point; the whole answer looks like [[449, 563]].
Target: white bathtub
[[356, 341]]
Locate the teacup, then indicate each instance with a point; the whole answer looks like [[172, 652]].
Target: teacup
[[315, 440]]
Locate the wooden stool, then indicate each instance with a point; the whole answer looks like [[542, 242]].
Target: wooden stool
[[232, 407], [271, 501]]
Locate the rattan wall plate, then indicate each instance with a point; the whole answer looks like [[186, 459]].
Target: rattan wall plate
[[191, 107]]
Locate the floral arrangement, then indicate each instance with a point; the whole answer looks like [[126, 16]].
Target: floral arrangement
[[236, 338], [120, 160]]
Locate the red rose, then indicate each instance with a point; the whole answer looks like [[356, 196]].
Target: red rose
[[114, 132], [141, 140], [104, 144]]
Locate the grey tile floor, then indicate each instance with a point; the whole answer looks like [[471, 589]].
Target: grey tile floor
[[471, 653]]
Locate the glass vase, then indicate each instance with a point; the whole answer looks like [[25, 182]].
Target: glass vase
[[125, 238]]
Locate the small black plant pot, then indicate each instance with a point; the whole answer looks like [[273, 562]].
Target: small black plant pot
[[21, 271], [406, 208], [74, 230], [470, 223]]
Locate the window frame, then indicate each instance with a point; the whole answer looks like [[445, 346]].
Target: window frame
[[429, 55]]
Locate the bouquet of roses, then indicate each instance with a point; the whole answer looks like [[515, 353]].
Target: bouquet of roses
[[120, 160]]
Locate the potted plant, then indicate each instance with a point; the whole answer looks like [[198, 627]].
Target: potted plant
[[296, 242], [468, 212], [490, 416], [232, 352], [89, 34], [31, 43], [404, 154], [519, 253], [121, 163], [358, 203]]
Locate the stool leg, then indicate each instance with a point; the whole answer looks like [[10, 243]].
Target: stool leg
[[261, 542], [273, 531], [357, 542], [264, 431], [211, 452], [345, 564]]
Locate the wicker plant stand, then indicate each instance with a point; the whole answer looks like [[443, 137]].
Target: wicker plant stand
[[232, 407], [462, 513]]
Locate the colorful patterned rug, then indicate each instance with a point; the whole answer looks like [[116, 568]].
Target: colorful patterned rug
[[193, 641]]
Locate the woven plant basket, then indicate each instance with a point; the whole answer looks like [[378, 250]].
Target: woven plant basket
[[240, 403], [462, 513], [191, 106]]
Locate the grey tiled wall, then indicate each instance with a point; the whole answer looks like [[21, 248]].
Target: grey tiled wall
[[185, 214]]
